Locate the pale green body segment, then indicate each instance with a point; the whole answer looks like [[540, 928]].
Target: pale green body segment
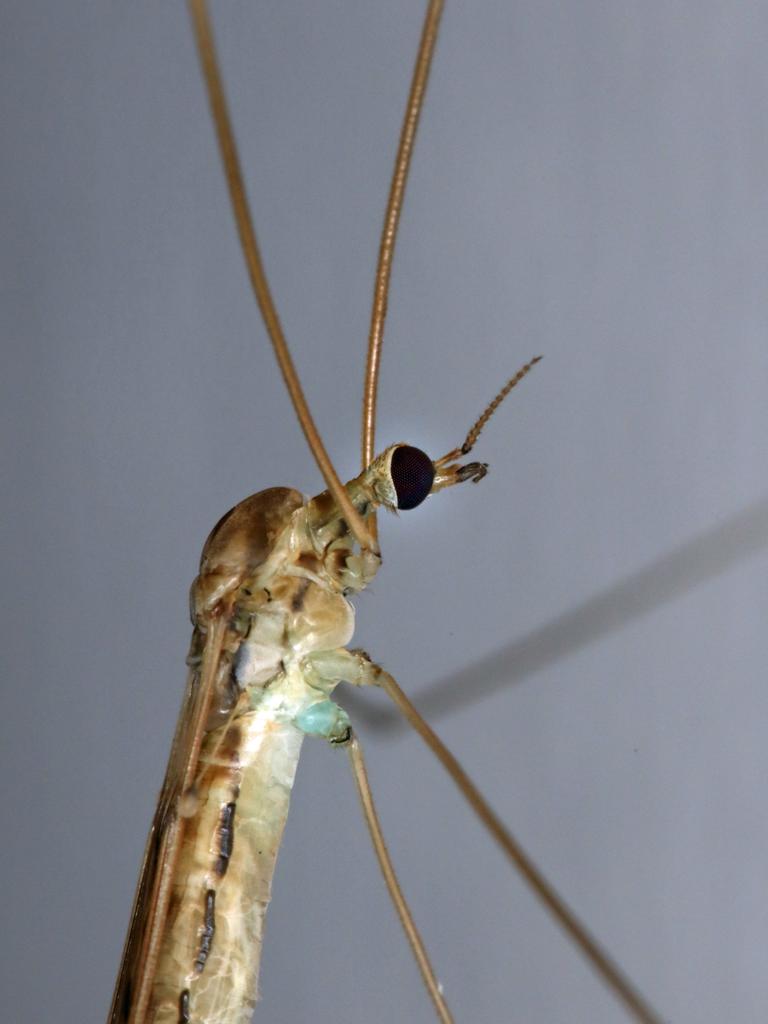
[[325, 719]]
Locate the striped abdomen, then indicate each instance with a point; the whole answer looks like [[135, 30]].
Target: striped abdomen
[[209, 962]]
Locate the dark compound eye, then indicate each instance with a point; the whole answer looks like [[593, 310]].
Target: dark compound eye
[[412, 474]]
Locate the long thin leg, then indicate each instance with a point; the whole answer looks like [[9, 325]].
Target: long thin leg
[[244, 221], [598, 958], [391, 221], [403, 912]]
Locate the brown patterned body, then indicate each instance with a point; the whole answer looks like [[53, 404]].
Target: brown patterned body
[[216, 915], [271, 624]]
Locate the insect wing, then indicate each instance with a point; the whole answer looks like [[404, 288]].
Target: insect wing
[[150, 905]]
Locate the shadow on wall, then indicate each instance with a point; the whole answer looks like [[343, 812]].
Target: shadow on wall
[[666, 578]]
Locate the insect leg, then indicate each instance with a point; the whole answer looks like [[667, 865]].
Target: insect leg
[[614, 978], [323, 671], [356, 667], [391, 222], [242, 213], [403, 911]]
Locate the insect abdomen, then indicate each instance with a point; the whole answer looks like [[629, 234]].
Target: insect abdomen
[[209, 960]]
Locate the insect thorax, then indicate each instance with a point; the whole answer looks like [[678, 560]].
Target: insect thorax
[[278, 568]]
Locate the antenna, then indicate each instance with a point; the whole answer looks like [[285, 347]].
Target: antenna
[[490, 409]]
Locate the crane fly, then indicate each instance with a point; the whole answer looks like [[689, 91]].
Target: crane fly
[[272, 624]]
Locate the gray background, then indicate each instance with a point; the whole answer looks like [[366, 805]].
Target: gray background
[[589, 183]]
